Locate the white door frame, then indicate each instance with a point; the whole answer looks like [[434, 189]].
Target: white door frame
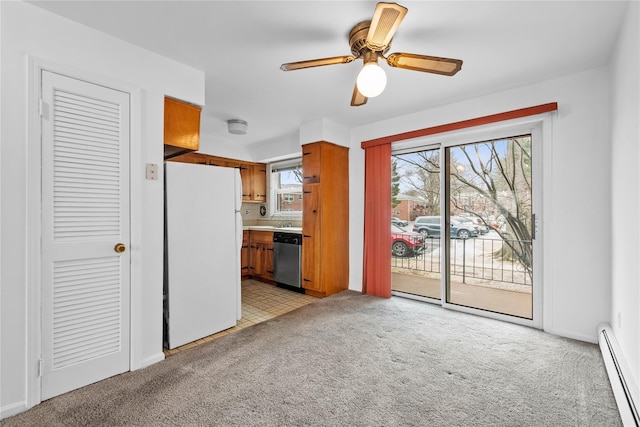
[[539, 126], [34, 216]]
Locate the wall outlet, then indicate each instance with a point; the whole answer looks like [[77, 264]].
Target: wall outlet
[[246, 211]]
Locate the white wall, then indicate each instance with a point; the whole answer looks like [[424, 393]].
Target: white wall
[[224, 148], [27, 31], [576, 188], [282, 147], [625, 191], [581, 179]]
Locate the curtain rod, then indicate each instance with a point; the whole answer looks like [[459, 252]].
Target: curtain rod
[[478, 121]]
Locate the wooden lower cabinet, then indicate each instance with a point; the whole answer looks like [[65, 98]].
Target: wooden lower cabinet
[[311, 240], [244, 255], [261, 254]]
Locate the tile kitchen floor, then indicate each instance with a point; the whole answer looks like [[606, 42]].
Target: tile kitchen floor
[[260, 302]]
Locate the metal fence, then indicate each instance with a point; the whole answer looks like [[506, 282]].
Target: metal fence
[[471, 260]]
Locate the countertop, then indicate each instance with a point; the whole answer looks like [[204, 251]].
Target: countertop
[[296, 230]]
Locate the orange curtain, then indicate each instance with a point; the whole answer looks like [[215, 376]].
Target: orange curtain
[[377, 219]]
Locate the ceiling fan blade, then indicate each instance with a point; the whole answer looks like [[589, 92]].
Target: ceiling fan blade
[[317, 62], [428, 64], [385, 22], [357, 99]]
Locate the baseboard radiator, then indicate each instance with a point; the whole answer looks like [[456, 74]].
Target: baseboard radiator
[[624, 388]]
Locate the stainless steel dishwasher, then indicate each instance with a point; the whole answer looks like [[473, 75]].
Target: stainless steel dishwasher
[[286, 260]]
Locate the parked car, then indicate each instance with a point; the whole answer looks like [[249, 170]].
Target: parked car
[[473, 222], [399, 222], [405, 243], [429, 226]]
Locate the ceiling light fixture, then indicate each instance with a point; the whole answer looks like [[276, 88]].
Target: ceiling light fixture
[[237, 126], [372, 79]]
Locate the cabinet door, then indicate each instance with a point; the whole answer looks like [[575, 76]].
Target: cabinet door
[[185, 158], [259, 182], [181, 126], [259, 266], [247, 185], [263, 266], [199, 159], [267, 260], [311, 238], [253, 258], [244, 254], [311, 156], [218, 161]]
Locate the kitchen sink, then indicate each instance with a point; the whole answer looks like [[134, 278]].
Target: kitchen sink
[[290, 229]]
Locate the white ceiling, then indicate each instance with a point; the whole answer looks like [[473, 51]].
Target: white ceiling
[[240, 45]]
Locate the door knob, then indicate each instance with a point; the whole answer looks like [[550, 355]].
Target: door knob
[[120, 248]]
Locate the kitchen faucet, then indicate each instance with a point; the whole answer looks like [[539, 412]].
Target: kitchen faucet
[[280, 224]]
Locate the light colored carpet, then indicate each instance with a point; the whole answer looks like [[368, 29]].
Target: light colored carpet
[[355, 360]]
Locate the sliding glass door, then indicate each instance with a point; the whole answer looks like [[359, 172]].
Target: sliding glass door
[[415, 210], [468, 209], [489, 221]]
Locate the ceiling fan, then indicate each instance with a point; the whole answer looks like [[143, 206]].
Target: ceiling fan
[[371, 39]]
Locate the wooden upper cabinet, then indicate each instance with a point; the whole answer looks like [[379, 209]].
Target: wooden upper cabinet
[[259, 182], [312, 161], [253, 175], [185, 158], [254, 182], [181, 127], [247, 187]]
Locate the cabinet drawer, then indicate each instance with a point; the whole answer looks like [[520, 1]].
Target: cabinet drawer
[[261, 236]]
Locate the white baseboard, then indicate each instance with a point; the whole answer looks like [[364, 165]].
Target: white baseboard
[[624, 388], [12, 409], [18, 407], [150, 360], [579, 337]]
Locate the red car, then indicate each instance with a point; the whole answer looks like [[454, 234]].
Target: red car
[[405, 243]]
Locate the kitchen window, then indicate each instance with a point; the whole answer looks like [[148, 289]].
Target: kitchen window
[[286, 187]]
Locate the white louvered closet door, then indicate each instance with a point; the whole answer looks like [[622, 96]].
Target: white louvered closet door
[[85, 214]]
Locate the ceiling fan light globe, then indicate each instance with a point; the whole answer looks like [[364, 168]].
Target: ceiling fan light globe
[[371, 80]]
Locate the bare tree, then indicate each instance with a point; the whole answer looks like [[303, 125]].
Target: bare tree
[[487, 179], [421, 177], [297, 173], [499, 173]]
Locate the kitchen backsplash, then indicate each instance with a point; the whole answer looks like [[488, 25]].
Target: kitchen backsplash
[[251, 216], [251, 211]]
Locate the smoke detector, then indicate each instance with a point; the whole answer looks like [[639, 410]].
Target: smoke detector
[[237, 126]]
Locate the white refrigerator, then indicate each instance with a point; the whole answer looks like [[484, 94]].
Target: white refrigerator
[[203, 237]]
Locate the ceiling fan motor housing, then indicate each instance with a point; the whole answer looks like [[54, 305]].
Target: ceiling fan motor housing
[[358, 39]]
